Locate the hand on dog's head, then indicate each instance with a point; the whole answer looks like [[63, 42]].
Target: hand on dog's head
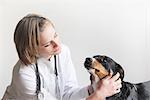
[[102, 65]]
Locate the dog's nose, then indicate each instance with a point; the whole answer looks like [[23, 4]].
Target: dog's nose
[[88, 63], [88, 60]]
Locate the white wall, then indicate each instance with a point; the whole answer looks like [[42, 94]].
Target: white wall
[[117, 28]]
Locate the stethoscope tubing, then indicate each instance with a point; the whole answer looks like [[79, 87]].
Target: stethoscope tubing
[[38, 79]]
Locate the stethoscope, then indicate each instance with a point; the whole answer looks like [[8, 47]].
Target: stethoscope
[[40, 95]]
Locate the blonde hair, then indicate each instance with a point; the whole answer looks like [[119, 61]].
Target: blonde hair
[[27, 37]]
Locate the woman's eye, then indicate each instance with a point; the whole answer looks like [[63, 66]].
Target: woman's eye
[[46, 45], [97, 70]]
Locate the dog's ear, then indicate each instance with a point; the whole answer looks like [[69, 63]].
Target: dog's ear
[[104, 60], [120, 70], [114, 66], [110, 64], [99, 58]]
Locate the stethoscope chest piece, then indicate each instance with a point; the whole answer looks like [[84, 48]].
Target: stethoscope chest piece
[[40, 96]]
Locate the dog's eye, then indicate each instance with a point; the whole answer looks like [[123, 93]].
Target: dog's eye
[[96, 70], [105, 61]]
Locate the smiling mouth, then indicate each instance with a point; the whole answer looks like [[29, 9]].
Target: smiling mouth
[[57, 49]]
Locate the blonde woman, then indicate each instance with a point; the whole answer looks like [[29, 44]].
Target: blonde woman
[[44, 70]]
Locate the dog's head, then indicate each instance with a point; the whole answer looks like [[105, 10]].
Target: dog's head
[[102, 65]]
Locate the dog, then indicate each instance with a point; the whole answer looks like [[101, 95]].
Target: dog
[[100, 66]]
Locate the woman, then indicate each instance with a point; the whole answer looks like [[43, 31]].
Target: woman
[[45, 70]]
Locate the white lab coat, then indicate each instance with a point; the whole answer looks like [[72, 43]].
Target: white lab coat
[[23, 85]]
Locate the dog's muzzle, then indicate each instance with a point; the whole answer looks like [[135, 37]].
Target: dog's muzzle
[[88, 64]]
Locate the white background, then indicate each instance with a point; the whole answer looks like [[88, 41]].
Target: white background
[[116, 28]]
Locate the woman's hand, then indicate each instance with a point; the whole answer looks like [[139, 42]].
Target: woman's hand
[[106, 87]]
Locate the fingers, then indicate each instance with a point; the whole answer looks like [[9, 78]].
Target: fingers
[[117, 91], [115, 77], [110, 85], [118, 84]]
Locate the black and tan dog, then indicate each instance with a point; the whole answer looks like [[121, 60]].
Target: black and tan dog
[[100, 66]]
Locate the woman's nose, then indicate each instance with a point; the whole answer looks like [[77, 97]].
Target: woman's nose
[[54, 43]]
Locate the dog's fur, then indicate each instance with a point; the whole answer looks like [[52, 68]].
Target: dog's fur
[[100, 66]]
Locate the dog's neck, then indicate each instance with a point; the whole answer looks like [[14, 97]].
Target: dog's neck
[[94, 80]]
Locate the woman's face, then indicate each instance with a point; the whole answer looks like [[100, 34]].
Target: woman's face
[[49, 42]]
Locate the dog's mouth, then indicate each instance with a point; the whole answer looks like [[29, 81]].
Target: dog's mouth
[[94, 67], [89, 64]]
